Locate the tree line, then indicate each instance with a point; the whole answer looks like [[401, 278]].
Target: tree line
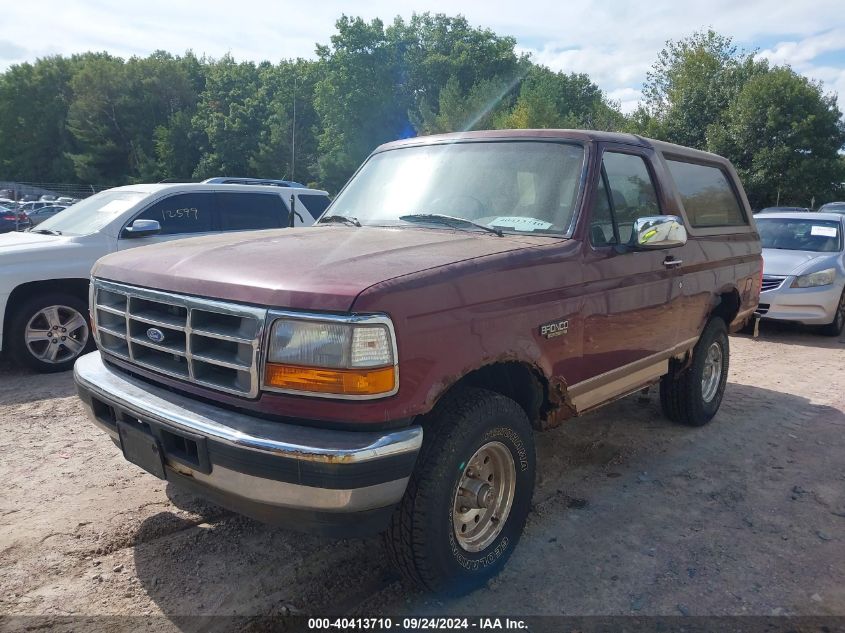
[[97, 118]]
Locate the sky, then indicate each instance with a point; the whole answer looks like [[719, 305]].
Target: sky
[[614, 41]]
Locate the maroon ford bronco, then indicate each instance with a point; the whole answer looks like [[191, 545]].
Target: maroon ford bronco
[[386, 371]]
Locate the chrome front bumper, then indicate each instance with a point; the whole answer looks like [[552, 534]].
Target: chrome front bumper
[[334, 482]]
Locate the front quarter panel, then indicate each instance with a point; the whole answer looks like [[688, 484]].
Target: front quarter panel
[[62, 259], [463, 317]]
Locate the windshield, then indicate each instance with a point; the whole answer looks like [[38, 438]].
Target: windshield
[[518, 187], [90, 215], [819, 236]]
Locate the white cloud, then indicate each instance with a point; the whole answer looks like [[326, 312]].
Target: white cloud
[[614, 42], [628, 98], [797, 53]]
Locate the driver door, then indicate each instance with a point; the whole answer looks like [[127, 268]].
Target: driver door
[[181, 215], [629, 316]]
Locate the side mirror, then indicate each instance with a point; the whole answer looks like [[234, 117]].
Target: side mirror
[[659, 231], [142, 228]]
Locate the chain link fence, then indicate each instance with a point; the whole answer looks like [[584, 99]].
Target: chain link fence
[[31, 191]]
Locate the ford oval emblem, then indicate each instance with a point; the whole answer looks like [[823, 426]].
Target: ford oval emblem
[[155, 335]]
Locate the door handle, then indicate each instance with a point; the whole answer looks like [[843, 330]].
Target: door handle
[[671, 262]]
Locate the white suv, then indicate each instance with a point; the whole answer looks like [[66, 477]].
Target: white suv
[[44, 280]]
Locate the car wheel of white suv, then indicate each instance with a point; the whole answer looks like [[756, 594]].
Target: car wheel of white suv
[[48, 333]]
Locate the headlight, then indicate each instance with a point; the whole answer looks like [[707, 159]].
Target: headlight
[[820, 278], [332, 357]]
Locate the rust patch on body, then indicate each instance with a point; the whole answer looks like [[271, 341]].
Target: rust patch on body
[[558, 406]]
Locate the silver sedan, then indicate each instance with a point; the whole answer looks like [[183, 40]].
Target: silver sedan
[[804, 269]]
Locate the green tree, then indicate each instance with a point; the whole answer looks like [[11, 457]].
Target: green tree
[[784, 136], [549, 99], [230, 113], [447, 62], [116, 109], [690, 85], [462, 110], [358, 97], [290, 121], [34, 101]]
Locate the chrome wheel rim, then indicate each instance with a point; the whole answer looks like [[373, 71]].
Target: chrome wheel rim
[[56, 334], [712, 374], [484, 497]]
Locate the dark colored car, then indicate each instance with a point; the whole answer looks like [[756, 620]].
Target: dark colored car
[[13, 220], [388, 370], [833, 207], [784, 210]]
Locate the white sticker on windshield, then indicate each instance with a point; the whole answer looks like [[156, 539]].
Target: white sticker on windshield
[[824, 231], [116, 206], [520, 223]]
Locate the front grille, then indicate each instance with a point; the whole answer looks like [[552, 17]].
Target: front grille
[[203, 341], [762, 308], [771, 283]]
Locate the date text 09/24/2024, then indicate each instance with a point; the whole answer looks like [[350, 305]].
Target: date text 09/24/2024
[[416, 624]]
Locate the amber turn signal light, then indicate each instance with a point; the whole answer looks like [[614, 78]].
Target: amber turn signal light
[[342, 382]]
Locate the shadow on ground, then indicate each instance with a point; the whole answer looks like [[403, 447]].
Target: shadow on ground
[[632, 514]]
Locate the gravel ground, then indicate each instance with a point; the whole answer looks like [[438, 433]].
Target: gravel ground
[[632, 516]]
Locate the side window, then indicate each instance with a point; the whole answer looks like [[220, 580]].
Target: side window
[[184, 213], [314, 203], [708, 197], [245, 211], [625, 192]]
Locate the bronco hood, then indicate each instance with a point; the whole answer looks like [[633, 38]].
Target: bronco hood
[[316, 268]]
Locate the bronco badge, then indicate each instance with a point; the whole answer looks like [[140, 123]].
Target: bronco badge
[[553, 329]]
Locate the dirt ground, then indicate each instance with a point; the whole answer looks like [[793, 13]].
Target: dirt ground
[[632, 515]]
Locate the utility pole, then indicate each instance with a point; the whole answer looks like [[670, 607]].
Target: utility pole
[[293, 134]]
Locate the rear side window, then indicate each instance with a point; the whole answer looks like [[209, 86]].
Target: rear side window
[[707, 195], [246, 211], [314, 203], [184, 213]]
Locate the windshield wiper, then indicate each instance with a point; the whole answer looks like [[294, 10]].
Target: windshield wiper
[[45, 231], [448, 220], [342, 219]]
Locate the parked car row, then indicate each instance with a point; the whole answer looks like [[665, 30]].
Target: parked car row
[[24, 218], [830, 207]]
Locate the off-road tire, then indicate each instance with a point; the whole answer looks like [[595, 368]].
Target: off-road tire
[[835, 327], [421, 540], [681, 397], [15, 336]]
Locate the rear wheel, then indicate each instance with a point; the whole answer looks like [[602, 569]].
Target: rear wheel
[[692, 395], [834, 328], [468, 498], [48, 333]]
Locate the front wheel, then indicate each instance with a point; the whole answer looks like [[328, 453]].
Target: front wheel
[[692, 395], [48, 333], [469, 496]]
